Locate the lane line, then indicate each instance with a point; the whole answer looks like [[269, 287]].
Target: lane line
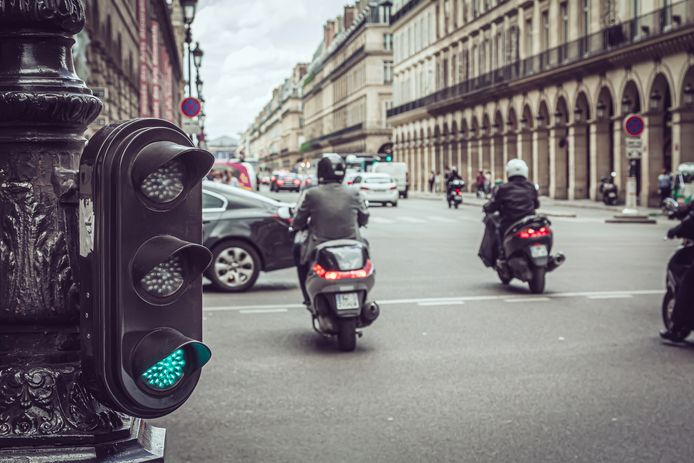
[[456, 300], [434, 218], [411, 220], [262, 311], [443, 303], [516, 300], [381, 220]]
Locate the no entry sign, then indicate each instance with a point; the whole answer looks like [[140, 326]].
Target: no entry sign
[[634, 125], [191, 107]]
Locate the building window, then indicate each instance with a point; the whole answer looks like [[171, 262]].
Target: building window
[[586, 17], [387, 72], [545, 30], [388, 41], [564, 13], [528, 38]]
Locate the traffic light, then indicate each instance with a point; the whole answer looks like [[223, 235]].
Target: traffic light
[[141, 266], [389, 158]]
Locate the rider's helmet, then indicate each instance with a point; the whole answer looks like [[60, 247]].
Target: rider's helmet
[[331, 168], [517, 168], [454, 170]]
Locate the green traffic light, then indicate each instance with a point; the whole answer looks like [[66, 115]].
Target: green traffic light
[[166, 373], [389, 158]]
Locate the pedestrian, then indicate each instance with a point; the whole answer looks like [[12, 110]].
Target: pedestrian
[[665, 185], [437, 182], [487, 184], [479, 184], [432, 181]]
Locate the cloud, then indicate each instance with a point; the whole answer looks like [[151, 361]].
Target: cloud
[[250, 47]]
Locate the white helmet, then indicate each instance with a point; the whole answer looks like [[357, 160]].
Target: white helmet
[[517, 168]]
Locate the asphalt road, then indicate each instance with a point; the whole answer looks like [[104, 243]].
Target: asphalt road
[[458, 368]]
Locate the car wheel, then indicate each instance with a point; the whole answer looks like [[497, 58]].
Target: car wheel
[[235, 267], [395, 204]]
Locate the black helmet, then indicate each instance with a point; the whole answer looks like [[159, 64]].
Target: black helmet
[[331, 168]]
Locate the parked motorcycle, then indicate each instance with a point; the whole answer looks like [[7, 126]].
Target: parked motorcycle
[[338, 284], [525, 251], [454, 193], [609, 190], [678, 265]]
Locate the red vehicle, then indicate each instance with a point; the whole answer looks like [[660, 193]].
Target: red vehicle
[[285, 181]]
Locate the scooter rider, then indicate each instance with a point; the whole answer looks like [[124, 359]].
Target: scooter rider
[[453, 175], [517, 198], [330, 211], [682, 315]]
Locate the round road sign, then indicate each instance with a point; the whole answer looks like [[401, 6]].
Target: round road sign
[[634, 125], [191, 107]]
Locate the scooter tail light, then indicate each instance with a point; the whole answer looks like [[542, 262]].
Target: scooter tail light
[[531, 233], [332, 275]]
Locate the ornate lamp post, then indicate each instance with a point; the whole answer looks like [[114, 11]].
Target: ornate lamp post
[[46, 412], [189, 9]]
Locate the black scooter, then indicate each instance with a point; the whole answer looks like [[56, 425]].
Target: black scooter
[[454, 193], [526, 251], [678, 265], [609, 190]]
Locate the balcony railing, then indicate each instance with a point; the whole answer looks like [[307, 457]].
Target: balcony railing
[[609, 39]]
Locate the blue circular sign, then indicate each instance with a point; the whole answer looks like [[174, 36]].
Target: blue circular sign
[[191, 107], [634, 125]]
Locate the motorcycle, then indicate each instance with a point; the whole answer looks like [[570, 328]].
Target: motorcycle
[[609, 190], [678, 265], [454, 193], [339, 281], [525, 252]]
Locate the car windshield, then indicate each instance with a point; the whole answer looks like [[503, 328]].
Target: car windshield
[[378, 180]]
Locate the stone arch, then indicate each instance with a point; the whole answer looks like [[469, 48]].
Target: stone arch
[[686, 119], [541, 148], [658, 155], [581, 179], [559, 150]]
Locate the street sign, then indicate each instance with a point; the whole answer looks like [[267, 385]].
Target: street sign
[[191, 107], [190, 126], [634, 147], [141, 266], [634, 125]]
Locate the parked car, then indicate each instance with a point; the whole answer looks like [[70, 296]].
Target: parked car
[[377, 188], [247, 233], [285, 181], [399, 172]]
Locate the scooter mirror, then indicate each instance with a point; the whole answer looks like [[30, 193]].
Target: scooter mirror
[[284, 213]]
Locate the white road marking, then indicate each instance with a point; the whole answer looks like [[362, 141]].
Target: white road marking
[[612, 296], [411, 220], [442, 303], [278, 308], [434, 218], [380, 220], [262, 311]]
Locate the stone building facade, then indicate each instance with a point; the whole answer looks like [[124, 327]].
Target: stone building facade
[[549, 81], [349, 84], [130, 55]]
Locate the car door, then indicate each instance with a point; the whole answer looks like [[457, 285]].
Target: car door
[[213, 206]]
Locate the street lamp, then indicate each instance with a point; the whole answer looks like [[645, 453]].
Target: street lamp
[[626, 105], [189, 7], [601, 109], [689, 94], [655, 100], [198, 86], [578, 114], [197, 55]]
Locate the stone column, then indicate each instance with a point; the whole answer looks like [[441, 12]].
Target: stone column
[[498, 156], [525, 151], [683, 136], [652, 161], [558, 181], [541, 159], [579, 180]]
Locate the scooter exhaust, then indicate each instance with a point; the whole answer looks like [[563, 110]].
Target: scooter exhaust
[[370, 313], [556, 261]]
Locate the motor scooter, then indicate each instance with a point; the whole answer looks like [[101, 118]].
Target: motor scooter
[[454, 193], [680, 262], [525, 251], [609, 190], [339, 281]]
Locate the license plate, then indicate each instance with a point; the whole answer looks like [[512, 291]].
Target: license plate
[[539, 251], [347, 301]]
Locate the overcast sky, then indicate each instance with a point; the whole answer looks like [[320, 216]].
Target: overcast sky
[[250, 47]]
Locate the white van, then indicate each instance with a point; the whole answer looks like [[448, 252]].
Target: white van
[[397, 170]]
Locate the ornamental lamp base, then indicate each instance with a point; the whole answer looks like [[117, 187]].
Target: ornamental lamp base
[[146, 444]]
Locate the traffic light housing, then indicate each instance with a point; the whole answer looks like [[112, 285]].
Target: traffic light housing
[[141, 266]]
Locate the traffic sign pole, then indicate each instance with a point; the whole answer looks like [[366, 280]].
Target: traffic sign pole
[[634, 126]]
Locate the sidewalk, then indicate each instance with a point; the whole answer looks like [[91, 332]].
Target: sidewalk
[[470, 199]]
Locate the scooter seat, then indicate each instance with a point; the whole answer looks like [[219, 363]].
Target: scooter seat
[[338, 243]]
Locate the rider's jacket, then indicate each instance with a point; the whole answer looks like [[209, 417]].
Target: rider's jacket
[[514, 200]]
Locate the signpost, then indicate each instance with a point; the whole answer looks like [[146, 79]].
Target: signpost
[[191, 107], [190, 126], [634, 126]]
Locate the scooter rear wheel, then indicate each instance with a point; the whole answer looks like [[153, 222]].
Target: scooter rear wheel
[[347, 334], [667, 312], [537, 284]]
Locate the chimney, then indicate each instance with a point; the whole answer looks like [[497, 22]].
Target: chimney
[[328, 33], [350, 14]]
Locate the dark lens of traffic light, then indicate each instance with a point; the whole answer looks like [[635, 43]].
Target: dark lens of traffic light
[[166, 373], [166, 183], [165, 279]]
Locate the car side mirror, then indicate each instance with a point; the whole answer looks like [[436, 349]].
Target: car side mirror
[[284, 213]]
